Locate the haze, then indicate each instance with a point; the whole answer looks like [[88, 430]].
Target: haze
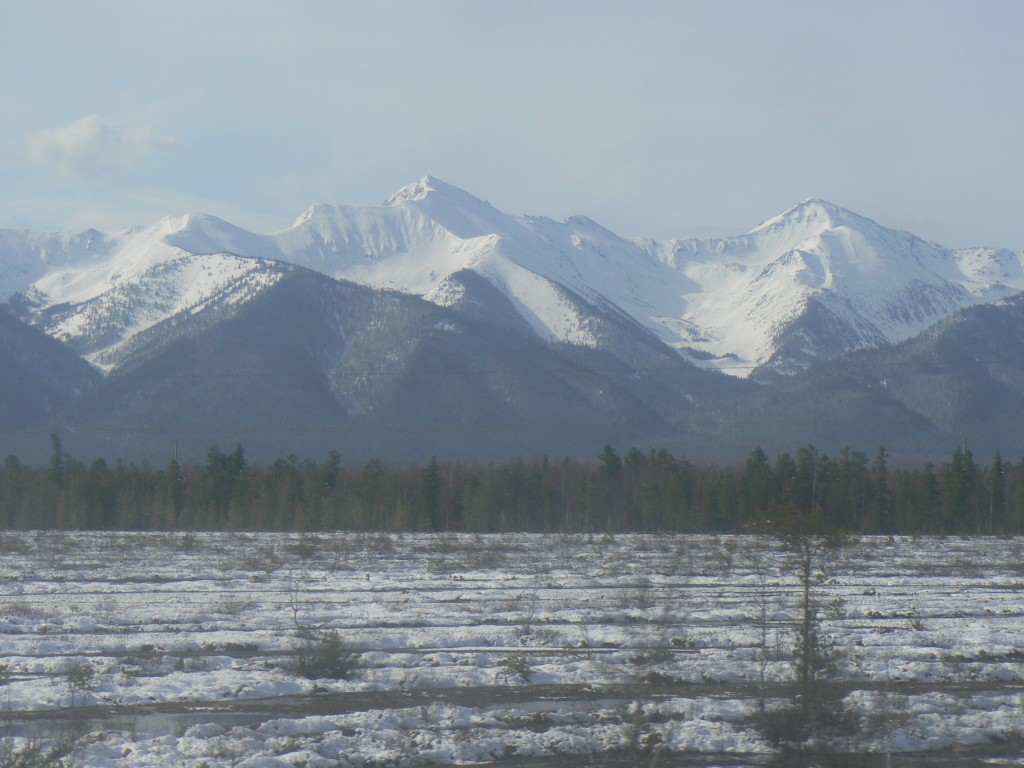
[[667, 119]]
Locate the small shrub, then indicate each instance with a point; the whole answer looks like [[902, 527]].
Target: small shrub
[[784, 727], [80, 678], [23, 609], [835, 608], [240, 647], [516, 667], [30, 755], [323, 655], [640, 596], [234, 605], [305, 548], [652, 656], [264, 559], [131, 665], [789, 728]]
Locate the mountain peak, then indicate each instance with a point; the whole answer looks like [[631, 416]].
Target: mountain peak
[[421, 190], [454, 209], [429, 188], [812, 212], [318, 210]]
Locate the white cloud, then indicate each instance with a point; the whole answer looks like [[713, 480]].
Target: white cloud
[[90, 147]]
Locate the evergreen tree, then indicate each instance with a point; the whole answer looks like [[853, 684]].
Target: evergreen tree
[[807, 478], [881, 512], [997, 496], [760, 488], [607, 499], [431, 513], [58, 462], [370, 492], [650, 491], [959, 483]]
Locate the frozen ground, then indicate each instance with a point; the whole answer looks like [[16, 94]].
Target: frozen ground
[[530, 650]]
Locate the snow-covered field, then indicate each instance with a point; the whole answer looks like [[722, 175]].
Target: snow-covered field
[[188, 649]]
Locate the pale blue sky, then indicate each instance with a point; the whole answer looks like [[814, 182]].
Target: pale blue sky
[[659, 118]]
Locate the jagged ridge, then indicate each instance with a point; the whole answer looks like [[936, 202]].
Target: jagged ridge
[[811, 283]]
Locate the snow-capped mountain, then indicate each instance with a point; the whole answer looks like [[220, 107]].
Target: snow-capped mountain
[[96, 292], [436, 314], [809, 284], [313, 364], [818, 281]]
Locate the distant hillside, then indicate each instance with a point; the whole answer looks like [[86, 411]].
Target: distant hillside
[[435, 323]]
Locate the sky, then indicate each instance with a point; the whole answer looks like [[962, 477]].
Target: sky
[[663, 119]]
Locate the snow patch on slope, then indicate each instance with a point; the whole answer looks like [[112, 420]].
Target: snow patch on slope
[[723, 303], [100, 325], [886, 285]]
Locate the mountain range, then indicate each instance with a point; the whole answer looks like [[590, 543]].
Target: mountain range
[[434, 324]]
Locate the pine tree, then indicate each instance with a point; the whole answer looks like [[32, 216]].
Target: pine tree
[[58, 462], [997, 496], [881, 512], [431, 514]]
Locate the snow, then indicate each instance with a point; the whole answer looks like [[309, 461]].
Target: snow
[[191, 639], [724, 303]]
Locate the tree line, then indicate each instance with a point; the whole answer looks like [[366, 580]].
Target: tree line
[[632, 491]]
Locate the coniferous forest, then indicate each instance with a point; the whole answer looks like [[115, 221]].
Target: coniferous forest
[[632, 491]]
